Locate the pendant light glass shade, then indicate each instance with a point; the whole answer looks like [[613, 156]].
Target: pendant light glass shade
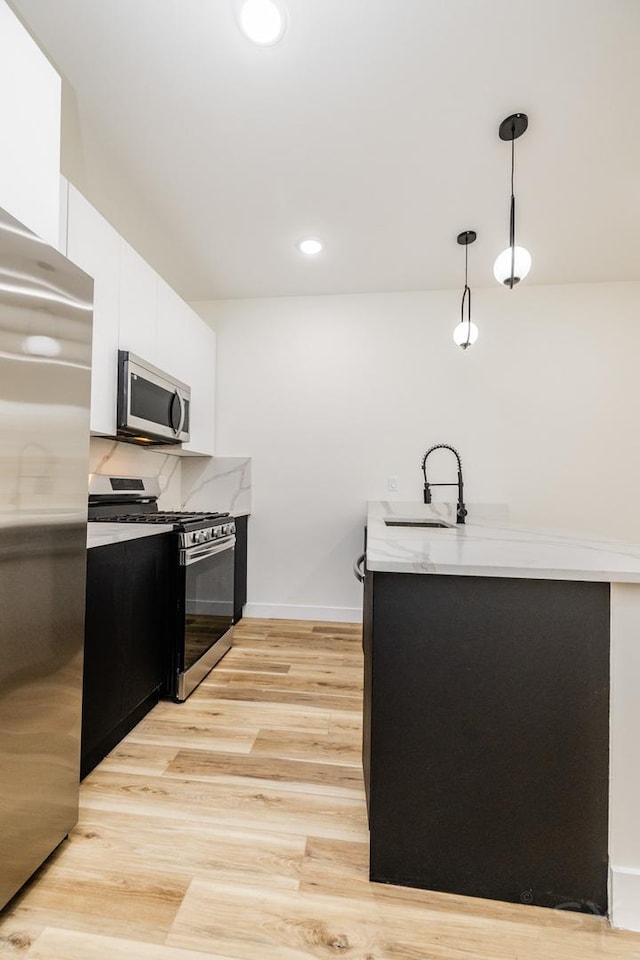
[[465, 334], [521, 265]]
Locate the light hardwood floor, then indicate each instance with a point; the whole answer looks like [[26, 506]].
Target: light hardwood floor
[[233, 827]]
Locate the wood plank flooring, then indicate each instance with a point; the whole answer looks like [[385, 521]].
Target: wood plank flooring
[[233, 827]]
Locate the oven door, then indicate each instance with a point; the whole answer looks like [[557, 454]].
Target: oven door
[[205, 611]]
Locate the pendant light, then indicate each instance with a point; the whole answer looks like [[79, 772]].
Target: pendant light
[[514, 263], [466, 332]]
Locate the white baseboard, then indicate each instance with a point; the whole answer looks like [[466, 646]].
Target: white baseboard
[[624, 909], [276, 611]]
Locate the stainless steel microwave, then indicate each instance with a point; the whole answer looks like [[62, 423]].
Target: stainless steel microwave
[[153, 407]]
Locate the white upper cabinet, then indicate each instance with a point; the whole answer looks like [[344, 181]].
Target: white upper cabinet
[[186, 349], [173, 345], [202, 381], [135, 309], [138, 304], [95, 246], [30, 96]]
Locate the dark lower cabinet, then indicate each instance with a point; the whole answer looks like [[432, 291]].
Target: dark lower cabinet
[[486, 736], [240, 568], [126, 640]]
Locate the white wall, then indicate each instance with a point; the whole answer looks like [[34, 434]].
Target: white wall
[[331, 395]]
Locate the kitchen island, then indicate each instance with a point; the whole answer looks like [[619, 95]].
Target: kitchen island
[[502, 670]]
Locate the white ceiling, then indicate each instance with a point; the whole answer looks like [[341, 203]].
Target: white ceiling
[[373, 125]]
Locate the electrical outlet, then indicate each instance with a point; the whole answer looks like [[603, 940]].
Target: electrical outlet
[[392, 483]]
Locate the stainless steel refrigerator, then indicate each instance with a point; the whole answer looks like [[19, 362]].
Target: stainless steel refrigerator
[[46, 316]]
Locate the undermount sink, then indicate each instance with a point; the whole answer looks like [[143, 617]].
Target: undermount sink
[[399, 522]]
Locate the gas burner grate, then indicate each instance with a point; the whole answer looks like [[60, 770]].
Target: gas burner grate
[[183, 519]]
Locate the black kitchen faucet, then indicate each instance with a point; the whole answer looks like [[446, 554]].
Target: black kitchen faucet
[[461, 510]]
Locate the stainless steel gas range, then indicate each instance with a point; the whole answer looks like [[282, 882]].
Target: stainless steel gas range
[[202, 582]]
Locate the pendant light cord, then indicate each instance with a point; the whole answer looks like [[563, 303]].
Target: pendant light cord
[[513, 156]]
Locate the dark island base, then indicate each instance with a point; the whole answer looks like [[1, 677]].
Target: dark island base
[[486, 736]]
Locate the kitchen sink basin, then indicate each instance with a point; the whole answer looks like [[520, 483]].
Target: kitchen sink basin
[[399, 522]]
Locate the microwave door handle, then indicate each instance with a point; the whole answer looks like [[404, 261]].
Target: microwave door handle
[[176, 429], [183, 412]]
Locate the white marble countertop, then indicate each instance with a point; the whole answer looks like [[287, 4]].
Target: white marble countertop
[[491, 547], [102, 534]]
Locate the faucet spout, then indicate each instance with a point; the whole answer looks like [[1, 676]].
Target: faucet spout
[[461, 510]]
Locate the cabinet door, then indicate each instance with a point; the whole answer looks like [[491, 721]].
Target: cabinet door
[[173, 333], [147, 618], [30, 96], [127, 630], [186, 348], [102, 687], [95, 246], [202, 357], [138, 304]]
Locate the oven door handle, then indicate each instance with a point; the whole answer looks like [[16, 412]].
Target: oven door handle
[[195, 554]]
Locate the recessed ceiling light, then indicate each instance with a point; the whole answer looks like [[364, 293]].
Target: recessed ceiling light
[[262, 21], [311, 247]]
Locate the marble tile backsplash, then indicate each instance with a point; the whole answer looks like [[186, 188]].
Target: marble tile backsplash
[[186, 483], [219, 483], [117, 459]]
